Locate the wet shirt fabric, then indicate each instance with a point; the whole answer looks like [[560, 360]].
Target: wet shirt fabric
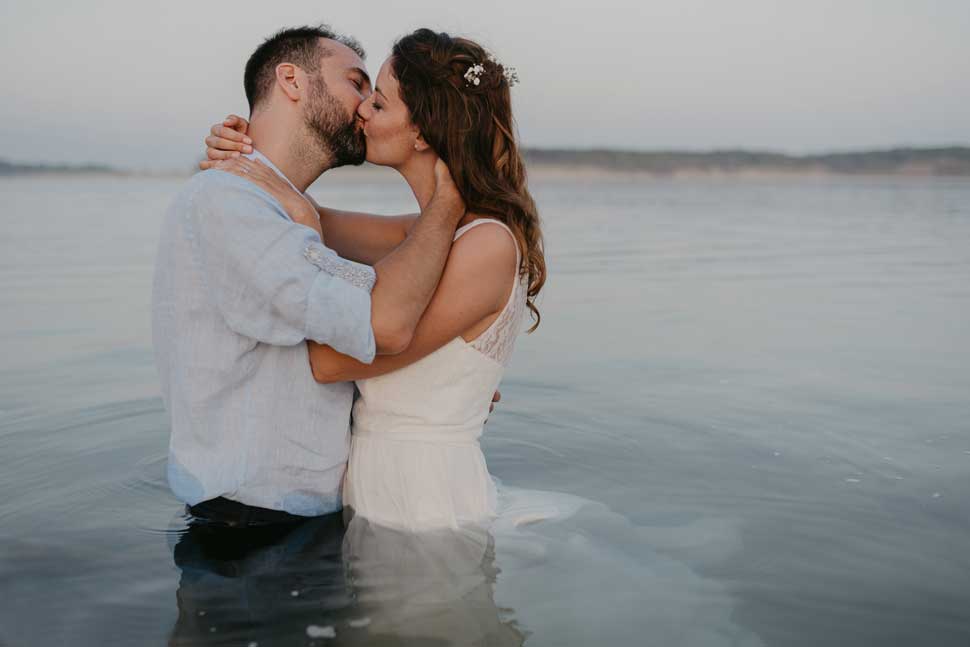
[[238, 289]]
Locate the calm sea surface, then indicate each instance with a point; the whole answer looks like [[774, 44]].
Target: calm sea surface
[[752, 395]]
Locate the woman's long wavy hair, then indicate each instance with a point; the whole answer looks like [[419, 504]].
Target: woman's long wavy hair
[[470, 127]]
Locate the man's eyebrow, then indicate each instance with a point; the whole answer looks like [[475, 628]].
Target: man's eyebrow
[[362, 73]]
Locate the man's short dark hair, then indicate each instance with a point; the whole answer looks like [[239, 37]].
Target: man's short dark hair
[[300, 46]]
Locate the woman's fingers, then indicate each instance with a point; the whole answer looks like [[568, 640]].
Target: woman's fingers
[[228, 132], [245, 167], [217, 155], [233, 135], [260, 171], [234, 166], [213, 156], [220, 141], [236, 122]]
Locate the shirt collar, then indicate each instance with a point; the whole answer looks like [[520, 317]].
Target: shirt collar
[[256, 155]]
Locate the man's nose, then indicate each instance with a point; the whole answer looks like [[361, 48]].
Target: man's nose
[[363, 110]]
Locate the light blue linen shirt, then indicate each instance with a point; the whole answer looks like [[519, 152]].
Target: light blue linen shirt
[[238, 288]]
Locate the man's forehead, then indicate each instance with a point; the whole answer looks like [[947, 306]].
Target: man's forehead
[[340, 55]]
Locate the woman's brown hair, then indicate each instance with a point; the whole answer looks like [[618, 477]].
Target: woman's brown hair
[[470, 127]]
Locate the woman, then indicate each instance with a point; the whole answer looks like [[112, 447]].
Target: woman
[[415, 461]]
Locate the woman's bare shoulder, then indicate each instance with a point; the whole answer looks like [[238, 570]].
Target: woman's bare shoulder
[[487, 242]]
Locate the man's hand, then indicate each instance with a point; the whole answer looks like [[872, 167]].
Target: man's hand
[[445, 191], [408, 276]]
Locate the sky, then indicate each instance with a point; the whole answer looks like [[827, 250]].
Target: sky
[[136, 84]]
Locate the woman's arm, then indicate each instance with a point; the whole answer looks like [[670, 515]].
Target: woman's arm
[[362, 237], [474, 288]]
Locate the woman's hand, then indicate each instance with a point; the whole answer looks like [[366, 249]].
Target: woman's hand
[[295, 203], [226, 141]]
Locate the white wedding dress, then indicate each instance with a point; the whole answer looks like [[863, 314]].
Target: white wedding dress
[[415, 460]]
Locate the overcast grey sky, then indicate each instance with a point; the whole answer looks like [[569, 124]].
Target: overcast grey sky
[[136, 84]]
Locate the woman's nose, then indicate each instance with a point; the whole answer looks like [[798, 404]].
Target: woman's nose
[[363, 110]]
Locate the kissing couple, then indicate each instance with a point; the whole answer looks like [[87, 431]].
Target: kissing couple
[[270, 310]]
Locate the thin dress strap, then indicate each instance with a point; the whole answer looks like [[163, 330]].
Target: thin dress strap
[[498, 340]]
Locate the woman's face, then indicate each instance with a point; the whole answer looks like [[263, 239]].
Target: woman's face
[[391, 136]]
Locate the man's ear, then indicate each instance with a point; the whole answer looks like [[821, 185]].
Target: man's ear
[[291, 80]]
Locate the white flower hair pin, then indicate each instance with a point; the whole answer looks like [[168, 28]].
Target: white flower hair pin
[[473, 76]]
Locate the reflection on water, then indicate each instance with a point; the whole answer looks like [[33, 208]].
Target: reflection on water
[[263, 585], [427, 588], [371, 585]]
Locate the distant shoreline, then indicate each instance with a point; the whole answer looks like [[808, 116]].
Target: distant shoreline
[[951, 161], [915, 162]]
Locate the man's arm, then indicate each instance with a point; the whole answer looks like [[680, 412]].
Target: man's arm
[[270, 278], [362, 237], [408, 276]]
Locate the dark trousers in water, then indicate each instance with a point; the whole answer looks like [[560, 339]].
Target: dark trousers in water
[[225, 512]]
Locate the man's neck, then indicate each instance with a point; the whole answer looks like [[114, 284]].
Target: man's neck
[[286, 145]]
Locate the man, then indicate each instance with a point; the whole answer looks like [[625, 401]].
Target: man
[[239, 287]]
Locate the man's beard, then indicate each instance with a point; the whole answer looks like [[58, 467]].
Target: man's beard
[[341, 138]]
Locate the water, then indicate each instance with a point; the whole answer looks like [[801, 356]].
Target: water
[[759, 388]]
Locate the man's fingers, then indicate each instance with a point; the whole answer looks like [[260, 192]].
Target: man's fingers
[[497, 397]]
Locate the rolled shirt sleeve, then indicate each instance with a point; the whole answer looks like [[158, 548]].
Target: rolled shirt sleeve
[[272, 279]]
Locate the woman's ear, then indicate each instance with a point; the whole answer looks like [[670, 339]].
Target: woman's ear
[[419, 144]]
